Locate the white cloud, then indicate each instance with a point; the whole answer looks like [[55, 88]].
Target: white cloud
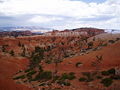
[[44, 19], [74, 9]]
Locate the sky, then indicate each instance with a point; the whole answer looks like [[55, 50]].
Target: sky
[[61, 14]]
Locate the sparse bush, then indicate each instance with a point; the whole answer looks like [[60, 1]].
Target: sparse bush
[[28, 70], [111, 41], [38, 50], [89, 76], [105, 73], [107, 82], [82, 79], [78, 64], [104, 44], [48, 61], [97, 62], [115, 77], [40, 68], [45, 75], [98, 77], [36, 57], [64, 76], [111, 71], [71, 73], [29, 74], [69, 76], [19, 77], [90, 45], [42, 84], [12, 53]]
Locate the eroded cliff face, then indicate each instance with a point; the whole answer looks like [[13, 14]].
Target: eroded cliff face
[[15, 33], [76, 32]]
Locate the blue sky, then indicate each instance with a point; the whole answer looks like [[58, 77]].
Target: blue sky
[[60, 14]]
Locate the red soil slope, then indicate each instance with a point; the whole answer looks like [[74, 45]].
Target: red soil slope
[[111, 59], [8, 67]]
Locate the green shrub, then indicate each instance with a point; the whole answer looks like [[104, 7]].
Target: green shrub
[[40, 68], [115, 77], [98, 77], [29, 74], [64, 76], [71, 73], [104, 44], [48, 61], [36, 57], [82, 79], [28, 70], [42, 84], [89, 76], [19, 72], [107, 82], [111, 71], [105, 73], [19, 77], [45, 75], [69, 76]]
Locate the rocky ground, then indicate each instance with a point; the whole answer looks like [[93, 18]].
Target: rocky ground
[[78, 59]]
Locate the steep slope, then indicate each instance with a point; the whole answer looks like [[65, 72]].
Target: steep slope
[[8, 67], [111, 59]]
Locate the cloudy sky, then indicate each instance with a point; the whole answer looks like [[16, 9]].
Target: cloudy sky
[[61, 14]]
